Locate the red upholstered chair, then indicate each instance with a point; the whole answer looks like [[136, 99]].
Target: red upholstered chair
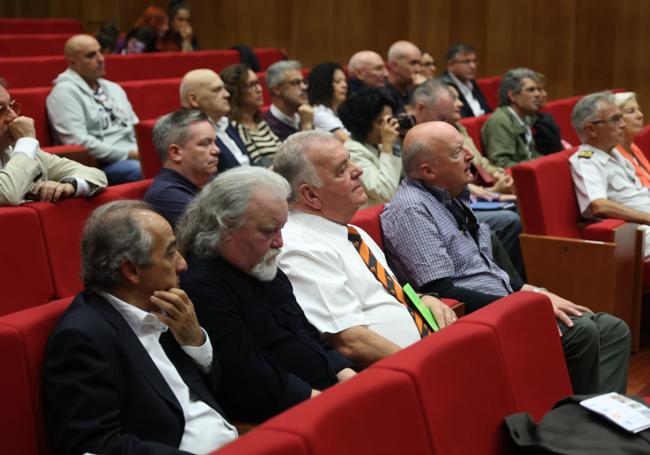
[[642, 140], [473, 126], [24, 45], [152, 98], [267, 442], [598, 265], [216, 60], [23, 336], [31, 26], [368, 220], [561, 111], [61, 224], [460, 379], [132, 190], [149, 159], [378, 412], [268, 56], [25, 272], [490, 88], [41, 73], [526, 331]]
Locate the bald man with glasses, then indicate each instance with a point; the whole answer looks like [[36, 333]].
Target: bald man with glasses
[[26, 172], [605, 182]]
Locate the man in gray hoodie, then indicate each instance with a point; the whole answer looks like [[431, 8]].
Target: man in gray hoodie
[[86, 109]]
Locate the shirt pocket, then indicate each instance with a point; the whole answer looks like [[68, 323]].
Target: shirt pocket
[[618, 183]]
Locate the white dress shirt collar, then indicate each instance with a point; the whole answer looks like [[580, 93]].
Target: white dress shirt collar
[[293, 122]]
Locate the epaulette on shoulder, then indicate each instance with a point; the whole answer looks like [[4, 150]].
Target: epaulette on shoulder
[[585, 154]]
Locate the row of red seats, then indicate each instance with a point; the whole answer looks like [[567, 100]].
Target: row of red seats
[[23, 72], [25, 26], [41, 247], [445, 395]]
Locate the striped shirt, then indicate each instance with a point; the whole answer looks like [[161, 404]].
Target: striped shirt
[[261, 143]]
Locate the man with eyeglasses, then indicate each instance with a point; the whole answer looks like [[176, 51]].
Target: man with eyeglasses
[[605, 182], [84, 108], [404, 72], [507, 135], [461, 72], [290, 111], [28, 173]]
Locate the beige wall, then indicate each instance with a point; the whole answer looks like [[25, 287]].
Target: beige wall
[[581, 45]]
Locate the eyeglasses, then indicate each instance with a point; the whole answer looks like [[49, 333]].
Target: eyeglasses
[[468, 61], [252, 85], [13, 105], [296, 82], [616, 118]]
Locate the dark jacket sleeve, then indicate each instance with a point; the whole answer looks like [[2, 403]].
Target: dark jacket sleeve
[[82, 401], [445, 288]]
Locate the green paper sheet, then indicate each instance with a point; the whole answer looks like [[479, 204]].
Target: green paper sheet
[[421, 307]]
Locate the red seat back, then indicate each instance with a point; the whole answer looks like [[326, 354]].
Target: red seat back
[[23, 336], [33, 105], [132, 190], [152, 98], [149, 159], [376, 412], [31, 26], [642, 140], [268, 56], [22, 45], [31, 71], [24, 268], [490, 88], [368, 220], [267, 442], [561, 111], [526, 331], [547, 201], [460, 377], [62, 224], [473, 126]]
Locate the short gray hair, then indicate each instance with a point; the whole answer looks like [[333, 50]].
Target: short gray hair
[[173, 128], [275, 72], [113, 234], [429, 92], [221, 205], [292, 164], [587, 108], [512, 81], [412, 156]]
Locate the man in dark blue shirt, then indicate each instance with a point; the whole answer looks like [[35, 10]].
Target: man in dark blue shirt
[[185, 141]]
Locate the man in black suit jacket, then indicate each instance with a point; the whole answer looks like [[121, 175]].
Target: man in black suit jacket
[[127, 368], [272, 357], [461, 72], [203, 89]]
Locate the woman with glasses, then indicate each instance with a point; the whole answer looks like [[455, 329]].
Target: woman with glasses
[[633, 118], [245, 103], [327, 88]]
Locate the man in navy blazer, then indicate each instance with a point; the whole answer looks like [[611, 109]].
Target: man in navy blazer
[[127, 369], [203, 89]]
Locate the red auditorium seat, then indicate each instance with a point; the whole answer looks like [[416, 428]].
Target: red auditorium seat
[[23, 336], [376, 412], [24, 269], [473, 126], [268, 56], [152, 98], [31, 26], [460, 377], [149, 158], [132, 190], [23, 45], [490, 88], [368, 220], [598, 266], [536, 369], [642, 140], [62, 224], [22, 72], [561, 111], [267, 442]]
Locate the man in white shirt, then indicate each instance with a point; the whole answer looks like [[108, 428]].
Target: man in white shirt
[[128, 368], [28, 173], [605, 182], [290, 111], [461, 73], [203, 89], [332, 283]]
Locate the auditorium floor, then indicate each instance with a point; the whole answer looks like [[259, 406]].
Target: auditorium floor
[[638, 382]]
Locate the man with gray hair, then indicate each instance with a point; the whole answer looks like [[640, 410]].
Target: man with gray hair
[[272, 357], [290, 111], [339, 274], [404, 72], [185, 142], [605, 182], [507, 135], [203, 89], [127, 366], [366, 68]]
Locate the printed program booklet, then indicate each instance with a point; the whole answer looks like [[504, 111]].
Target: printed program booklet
[[623, 411]]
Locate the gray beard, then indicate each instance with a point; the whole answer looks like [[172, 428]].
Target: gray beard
[[267, 268]]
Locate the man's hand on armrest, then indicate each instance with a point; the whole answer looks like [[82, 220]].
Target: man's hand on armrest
[[604, 208], [562, 307], [443, 313], [345, 374], [362, 345]]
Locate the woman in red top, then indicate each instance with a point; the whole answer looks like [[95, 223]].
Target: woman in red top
[[633, 116]]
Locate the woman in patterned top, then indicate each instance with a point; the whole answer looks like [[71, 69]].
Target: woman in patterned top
[[245, 102]]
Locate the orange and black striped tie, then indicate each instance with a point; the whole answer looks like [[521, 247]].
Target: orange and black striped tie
[[386, 279]]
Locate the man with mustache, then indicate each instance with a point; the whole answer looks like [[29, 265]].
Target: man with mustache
[[272, 358]]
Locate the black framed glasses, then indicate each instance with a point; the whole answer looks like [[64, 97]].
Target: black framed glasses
[[12, 105], [616, 118]]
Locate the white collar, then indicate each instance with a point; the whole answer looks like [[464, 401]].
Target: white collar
[[293, 122], [141, 322]]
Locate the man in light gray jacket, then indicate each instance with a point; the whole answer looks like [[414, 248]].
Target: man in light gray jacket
[[86, 109]]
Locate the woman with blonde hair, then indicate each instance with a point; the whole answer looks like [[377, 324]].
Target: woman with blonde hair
[[633, 117]]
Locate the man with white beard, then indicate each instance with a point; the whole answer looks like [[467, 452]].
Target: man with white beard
[[270, 355]]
